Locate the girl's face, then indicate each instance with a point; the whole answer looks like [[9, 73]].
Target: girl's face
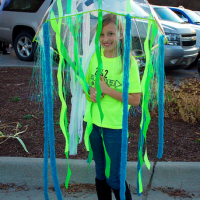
[[109, 39]]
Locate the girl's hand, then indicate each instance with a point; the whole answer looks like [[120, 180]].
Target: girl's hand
[[104, 87], [93, 94]]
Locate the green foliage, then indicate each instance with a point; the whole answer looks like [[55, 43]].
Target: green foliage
[[27, 116], [197, 140], [59, 130], [131, 135], [15, 99]]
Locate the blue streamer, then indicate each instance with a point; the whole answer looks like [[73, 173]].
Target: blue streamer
[[161, 96], [46, 141], [49, 126], [124, 146]]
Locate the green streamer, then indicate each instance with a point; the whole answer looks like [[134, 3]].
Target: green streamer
[[108, 162], [69, 5], [74, 31], [90, 156], [88, 131], [140, 182], [99, 92], [66, 153], [80, 74], [147, 77], [147, 91], [60, 12], [100, 64], [128, 6], [63, 118], [63, 114], [140, 157], [146, 47], [89, 127], [82, 13]]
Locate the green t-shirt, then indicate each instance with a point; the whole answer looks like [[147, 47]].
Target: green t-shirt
[[113, 75]]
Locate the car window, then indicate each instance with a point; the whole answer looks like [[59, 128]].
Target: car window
[[167, 14], [193, 16], [24, 5], [180, 14]]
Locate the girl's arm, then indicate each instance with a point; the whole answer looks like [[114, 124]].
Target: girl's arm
[[133, 98]]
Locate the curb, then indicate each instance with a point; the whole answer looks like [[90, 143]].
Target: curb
[[18, 169], [185, 175]]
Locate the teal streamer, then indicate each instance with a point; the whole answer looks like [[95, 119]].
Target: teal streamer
[[161, 96], [49, 124], [124, 146], [46, 142]]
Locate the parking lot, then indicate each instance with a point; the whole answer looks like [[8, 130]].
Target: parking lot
[[182, 74], [11, 60]]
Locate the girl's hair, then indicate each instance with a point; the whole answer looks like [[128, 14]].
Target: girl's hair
[[112, 18]]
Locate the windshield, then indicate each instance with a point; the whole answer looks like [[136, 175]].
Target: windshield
[[193, 16], [167, 14]]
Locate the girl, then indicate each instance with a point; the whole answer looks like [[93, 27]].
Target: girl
[[109, 130]]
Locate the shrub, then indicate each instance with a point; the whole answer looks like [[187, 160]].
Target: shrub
[[183, 100]]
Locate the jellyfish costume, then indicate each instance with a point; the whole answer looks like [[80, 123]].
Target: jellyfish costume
[[68, 30]]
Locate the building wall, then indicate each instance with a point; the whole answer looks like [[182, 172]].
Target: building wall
[[189, 4]]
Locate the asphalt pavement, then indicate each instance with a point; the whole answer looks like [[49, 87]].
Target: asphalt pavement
[[11, 60], [22, 178]]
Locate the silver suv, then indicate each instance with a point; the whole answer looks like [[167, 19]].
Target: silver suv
[[19, 21], [182, 49]]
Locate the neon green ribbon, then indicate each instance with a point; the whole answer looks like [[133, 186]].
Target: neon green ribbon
[[99, 92], [88, 130], [82, 13], [128, 6], [147, 77], [100, 64], [78, 70], [108, 161]]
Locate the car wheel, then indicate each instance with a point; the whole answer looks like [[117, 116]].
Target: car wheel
[[24, 47]]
